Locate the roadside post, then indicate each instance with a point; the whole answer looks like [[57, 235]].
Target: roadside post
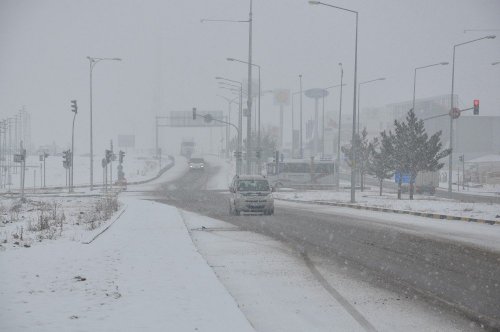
[[104, 174]]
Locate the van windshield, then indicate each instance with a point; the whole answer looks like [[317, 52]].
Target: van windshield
[[253, 185]]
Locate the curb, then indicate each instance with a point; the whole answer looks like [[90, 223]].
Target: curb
[[413, 213], [160, 173], [107, 226]]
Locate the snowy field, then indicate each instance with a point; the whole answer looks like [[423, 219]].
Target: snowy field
[[420, 203]]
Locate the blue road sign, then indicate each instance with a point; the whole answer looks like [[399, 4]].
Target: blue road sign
[[405, 178]]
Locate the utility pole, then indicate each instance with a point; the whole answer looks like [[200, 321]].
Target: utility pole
[[74, 109], [301, 146], [111, 167], [249, 91]]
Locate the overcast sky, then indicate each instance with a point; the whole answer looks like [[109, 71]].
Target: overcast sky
[[170, 59]]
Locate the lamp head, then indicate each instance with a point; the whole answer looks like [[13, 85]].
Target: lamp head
[[491, 37], [230, 59], [311, 2], [443, 63]]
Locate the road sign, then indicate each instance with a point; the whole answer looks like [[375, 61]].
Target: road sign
[[404, 179], [316, 93], [281, 97]]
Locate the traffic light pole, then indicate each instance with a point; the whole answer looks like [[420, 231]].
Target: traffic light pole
[[209, 118], [72, 154]]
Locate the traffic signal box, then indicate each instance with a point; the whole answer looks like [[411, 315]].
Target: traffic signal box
[[74, 106]]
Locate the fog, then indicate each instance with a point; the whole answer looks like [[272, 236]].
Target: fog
[[170, 59]]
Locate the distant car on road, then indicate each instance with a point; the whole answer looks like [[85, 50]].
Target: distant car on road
[[250, 193], [196, 164]]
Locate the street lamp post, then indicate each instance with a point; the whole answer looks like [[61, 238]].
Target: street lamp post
[[249, 95], [92, 62], [415, 79], [340, 126], [359, 93], [294, 155], [354, 148], [240, 121], [228, 127], [301, 146], [259, 123], [450, 160], [249, 91]]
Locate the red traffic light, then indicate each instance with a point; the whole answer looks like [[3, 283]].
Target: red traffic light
[[476, 106]]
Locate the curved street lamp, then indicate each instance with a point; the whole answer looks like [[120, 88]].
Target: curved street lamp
[[260, 93], [93, 61], [415, 79], [359, 93], [240, 117], [354, 148], [450, 160]]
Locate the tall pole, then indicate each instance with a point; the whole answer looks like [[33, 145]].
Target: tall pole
[[44, 169], [359, 93], [111, 167], [301, 154], [156, 136], [249, 91], [339, 125], [450, 158], [240, 134], [414, 89], [354, 147], [281, 127], [259, 166], [323, 129], [415, 80], [316, 141], [91, 61], [72, 152]]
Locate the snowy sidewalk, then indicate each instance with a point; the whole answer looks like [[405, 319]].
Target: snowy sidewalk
[[144, 273]]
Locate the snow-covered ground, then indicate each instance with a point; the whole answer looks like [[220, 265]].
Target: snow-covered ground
[[200, 274], [474, 189], [428, 204], [107, 285]]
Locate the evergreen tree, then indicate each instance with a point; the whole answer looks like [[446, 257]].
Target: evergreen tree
[[413, 151], [381, 164]]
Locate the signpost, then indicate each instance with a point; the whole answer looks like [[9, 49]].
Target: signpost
[[404, 179]]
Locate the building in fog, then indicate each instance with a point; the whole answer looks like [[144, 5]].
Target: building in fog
[[474, 135]]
